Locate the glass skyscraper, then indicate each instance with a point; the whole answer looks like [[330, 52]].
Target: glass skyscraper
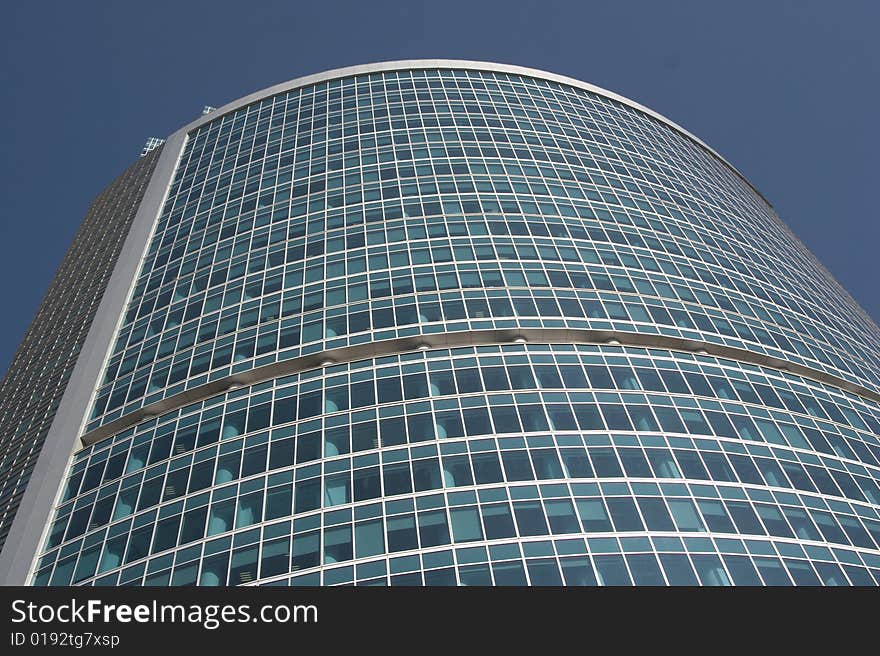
[[448, 323]]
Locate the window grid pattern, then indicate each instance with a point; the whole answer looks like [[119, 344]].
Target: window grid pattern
[[418, 202], [431, 201], [609, 465]]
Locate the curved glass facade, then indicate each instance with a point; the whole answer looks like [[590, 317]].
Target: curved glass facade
[[472, 326]]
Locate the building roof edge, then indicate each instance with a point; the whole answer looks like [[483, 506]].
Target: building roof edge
[[420, 64]]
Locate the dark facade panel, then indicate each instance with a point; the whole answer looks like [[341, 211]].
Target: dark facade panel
[[40, 369]]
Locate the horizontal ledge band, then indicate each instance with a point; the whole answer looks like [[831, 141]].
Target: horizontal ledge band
[[456, 340]]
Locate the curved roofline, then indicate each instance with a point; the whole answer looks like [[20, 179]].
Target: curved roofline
[[421, 64]]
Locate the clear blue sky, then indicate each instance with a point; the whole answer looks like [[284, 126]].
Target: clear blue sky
[[786, 91]]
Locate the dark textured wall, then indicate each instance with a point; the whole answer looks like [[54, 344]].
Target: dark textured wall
[[37, 377]]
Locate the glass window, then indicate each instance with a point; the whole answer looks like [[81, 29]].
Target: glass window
[[337, 544], [426, 474], [715, 516], [685, 515], [662, 463], [678, 569], [250, 509], [741, 569], [337, 489], [367, 484], [576, 464], [801, 572], [624, 514], [397, 479], [644, 569], [605, 463], [305, 550], [611, 570], [530, 518], [466, 524], [243, 568], [561, 516], [278, 501], [655, 513], [477, 575], [634, 463], [307, 495], [369, 538], [710, 570], [275, 558], [456, 471], [498, 521], [508, 573], [593, 515], [433, 530], [215, 569], [487, 468], [221, 518], [577, 570], [402, 533], [543, 571]]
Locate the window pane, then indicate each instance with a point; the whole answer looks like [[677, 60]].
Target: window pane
[[466, 524], [611, 570]]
